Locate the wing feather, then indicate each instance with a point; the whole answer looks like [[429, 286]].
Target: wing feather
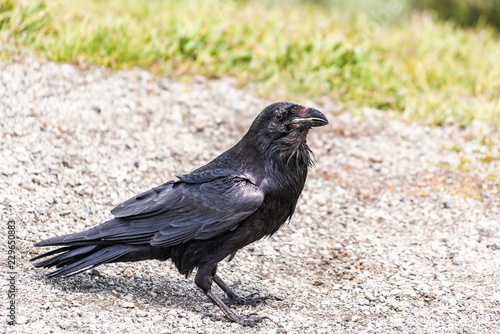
[[211, 209], [174, 213]]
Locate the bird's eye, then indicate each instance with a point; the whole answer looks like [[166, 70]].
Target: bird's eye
[[279, 116]]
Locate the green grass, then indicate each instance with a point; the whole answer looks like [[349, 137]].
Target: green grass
[[415, 67], [465, 12]]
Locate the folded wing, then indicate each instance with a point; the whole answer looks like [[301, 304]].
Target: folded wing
[[174, 213]]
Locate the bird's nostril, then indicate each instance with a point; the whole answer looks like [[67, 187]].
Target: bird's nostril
[[303, 111]]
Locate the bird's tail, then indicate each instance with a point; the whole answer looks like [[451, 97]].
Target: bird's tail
[[73, 260]]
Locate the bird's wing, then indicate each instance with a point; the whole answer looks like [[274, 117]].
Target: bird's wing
[[149, 203], [209, 209], [177, 212]]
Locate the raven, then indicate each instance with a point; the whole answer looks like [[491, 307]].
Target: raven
[[244, 194]]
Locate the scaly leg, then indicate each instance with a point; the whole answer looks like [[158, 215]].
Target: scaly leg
[[235, 299], [245, 320], [203, 279]]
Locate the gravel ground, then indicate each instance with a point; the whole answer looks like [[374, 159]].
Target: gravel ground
[[397, 229]]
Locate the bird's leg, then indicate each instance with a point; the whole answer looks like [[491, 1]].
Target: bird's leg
[[235, 299], [246, 320], [203, 279]]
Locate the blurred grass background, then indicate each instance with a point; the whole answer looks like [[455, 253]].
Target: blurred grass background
[[434, 61]]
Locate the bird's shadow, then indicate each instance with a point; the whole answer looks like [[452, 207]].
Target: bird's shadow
[[168, 292], [171, 292]]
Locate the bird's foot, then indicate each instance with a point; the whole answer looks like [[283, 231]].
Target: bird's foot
[[248, 300], [249, 320]]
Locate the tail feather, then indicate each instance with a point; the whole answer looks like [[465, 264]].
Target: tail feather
[[114, 231], [69, 255], [54, 252], [71, 267], [73, 260], [74, 239]]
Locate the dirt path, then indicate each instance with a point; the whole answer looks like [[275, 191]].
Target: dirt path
[[398, 229]]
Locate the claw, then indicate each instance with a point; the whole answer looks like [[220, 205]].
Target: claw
[[248, 300], [214, 317], [245, 320], [252, 322], [235, 299]]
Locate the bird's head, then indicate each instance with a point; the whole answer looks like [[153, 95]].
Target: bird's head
[[284, 119], [279, 133]]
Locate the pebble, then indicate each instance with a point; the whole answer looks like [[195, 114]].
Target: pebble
[[88, 284], [62, 323], [370, 296], [141, 313], [397, 321], [127, 305], [452, 302], [128, 273], [28, 186]]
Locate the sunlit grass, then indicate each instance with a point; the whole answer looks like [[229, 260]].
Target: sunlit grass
[[417, 68]]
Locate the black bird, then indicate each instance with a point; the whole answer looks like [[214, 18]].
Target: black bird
[[246, 193]]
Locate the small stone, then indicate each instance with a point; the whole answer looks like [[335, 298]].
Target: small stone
[[397, 322], [63, 324], [445, 284], [95, 272], [362, 301], [393, 304], [28, 186], [21, 320], [469, 294], [127, 305], [370, 296], [88, 284], [7, 172], [141, 313]]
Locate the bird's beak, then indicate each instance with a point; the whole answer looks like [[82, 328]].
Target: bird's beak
[[309, 117]]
